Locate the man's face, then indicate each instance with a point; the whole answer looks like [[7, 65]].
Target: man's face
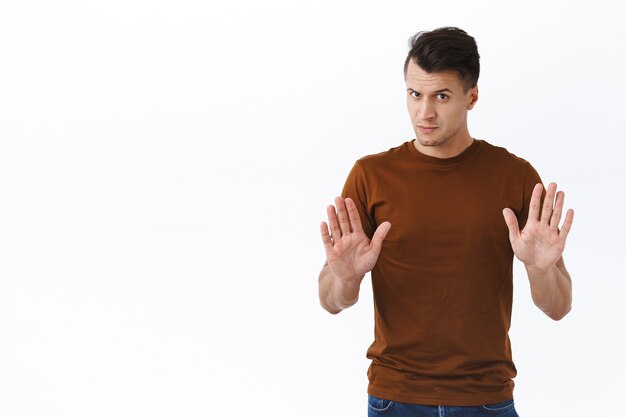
[[437, 101]]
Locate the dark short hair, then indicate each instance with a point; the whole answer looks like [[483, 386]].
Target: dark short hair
[[446, 49]]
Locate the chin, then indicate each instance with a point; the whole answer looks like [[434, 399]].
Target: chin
[[427, 141]]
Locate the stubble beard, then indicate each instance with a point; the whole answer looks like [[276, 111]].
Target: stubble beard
[[431, 140], [440, 138]]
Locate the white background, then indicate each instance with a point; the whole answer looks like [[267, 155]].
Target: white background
[[164, 167]]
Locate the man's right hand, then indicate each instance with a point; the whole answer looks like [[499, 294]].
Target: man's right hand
[[349, 252]]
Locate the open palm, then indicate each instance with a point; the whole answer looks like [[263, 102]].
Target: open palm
[[541, 243], [350, 254]]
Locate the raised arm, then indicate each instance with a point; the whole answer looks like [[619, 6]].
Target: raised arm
[[540, 246], [349, 255]]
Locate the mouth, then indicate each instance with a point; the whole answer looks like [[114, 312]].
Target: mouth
[[426, 129]]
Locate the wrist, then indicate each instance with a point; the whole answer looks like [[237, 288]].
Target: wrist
[[346, 291], [348, 283], [536, 270]]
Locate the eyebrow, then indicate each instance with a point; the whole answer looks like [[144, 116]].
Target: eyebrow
[[436, 92]]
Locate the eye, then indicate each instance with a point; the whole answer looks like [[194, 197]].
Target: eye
[[442, 96], [414, 94]]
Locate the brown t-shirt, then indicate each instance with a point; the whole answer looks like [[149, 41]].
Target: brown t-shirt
[[443, 283]]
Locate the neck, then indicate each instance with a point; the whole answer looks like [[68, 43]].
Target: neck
[[450, 148]]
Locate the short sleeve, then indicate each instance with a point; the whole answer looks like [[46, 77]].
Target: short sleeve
[[531, 178], [355, 187]]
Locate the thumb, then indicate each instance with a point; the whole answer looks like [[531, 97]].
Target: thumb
[[511, 223], [379, 236]]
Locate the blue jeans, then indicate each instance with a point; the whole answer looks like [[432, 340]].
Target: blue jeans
[[377, 407]]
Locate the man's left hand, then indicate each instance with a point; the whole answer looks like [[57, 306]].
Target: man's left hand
[[540, 244]]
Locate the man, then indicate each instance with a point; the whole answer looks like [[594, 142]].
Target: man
[[437, 221]]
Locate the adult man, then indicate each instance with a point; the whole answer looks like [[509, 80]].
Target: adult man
[[437, 220]]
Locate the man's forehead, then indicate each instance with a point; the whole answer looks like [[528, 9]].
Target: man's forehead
[[418, 78]]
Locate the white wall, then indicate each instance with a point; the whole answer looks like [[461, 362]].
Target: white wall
[[164, 167]]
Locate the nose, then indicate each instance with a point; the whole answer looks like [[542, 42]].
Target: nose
[[426, 110]]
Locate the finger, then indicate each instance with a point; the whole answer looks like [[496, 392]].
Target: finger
[[335, 231], [379, 236], [548, 203], [511, 222], [342, 214], [535, 202], [353, 215], [558, 210], [328, 243], [567, 224]]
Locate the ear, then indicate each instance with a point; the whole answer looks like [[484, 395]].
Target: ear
[[473, 97]]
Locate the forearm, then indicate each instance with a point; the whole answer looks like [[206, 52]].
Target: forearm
[[551, 290], [336, 295]]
